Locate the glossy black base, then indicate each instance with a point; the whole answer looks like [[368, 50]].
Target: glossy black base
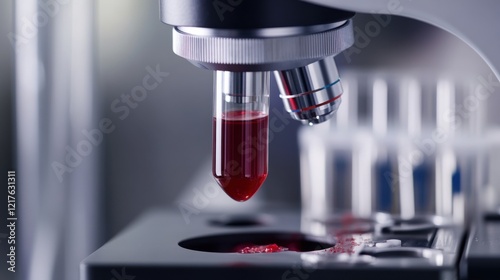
[[174, 245]]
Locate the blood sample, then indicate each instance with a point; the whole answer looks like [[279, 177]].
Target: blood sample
[[240, 132], [346, 244], [242, 155], [347, 239], [271, 248]]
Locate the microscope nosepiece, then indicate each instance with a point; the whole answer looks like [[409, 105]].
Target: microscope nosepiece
[[301, 58]]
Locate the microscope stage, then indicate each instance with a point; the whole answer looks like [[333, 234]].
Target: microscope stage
[[165, 244]]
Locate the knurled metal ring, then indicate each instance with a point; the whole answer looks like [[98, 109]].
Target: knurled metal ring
[[261, 54]]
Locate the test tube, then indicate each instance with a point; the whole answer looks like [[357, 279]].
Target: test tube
[[240, 132]]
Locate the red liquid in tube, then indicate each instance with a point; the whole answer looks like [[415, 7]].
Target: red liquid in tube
[[239, 163]]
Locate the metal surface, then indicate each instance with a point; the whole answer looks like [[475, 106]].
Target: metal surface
[[301, 40], [311, 94], [474, 31], [240, 54], [481, 258], [150, 249], [239, 14]]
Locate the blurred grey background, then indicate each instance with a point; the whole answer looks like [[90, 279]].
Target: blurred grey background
[[6, 85], [6, 115], [156, 151]]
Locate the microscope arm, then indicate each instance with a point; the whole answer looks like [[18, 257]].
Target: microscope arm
[[477, 23]]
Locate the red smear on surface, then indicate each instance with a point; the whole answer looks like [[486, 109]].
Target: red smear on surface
[[346, 243], [271, 248]]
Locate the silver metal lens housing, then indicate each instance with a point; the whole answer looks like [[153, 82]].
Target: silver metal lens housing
[[311, 94], [302, 58], [267, 49]]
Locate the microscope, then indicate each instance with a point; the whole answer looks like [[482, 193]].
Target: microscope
[[243, 42]]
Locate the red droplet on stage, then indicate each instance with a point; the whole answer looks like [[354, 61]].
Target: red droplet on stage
[[271, 248], [239, 162]]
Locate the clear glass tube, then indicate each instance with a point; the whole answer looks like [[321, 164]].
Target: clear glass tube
[[240, 132]]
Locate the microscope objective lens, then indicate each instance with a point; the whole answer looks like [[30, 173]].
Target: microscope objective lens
[[240, 152]]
